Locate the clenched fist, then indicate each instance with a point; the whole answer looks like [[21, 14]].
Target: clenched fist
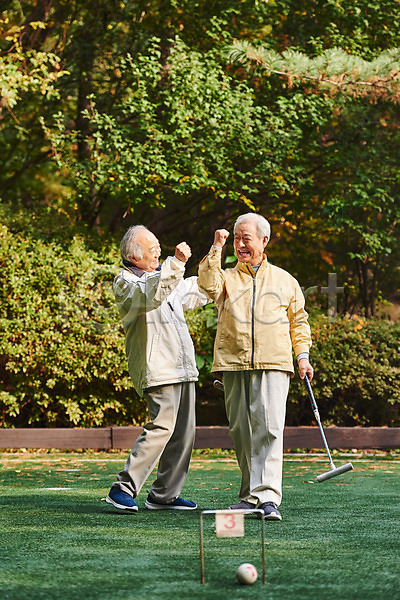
[[183, 252], [220, 237]]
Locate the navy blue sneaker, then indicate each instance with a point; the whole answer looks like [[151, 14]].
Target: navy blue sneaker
[[121, 500], [242, 505], [178, 504], [271, 511]]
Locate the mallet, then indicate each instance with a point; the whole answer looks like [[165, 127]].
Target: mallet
[[334, 470]]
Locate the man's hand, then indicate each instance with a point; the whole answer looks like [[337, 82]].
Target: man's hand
[[183, 252], [220, 237], [305, 367]]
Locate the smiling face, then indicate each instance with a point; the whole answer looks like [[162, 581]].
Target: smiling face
[[151, 251], [249, 248]]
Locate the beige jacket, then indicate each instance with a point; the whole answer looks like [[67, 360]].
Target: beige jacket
[[261, 315], [158, 345]]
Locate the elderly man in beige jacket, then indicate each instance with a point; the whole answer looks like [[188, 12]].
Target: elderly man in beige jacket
[[261, 319], [151, 299]]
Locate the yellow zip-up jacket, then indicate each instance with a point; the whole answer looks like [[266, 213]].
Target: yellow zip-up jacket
[[261, 315]]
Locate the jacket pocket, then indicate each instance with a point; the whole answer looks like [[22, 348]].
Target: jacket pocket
[[154, 347]]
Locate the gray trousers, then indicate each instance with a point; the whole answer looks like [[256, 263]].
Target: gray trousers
[[256, 408], [168, 438]]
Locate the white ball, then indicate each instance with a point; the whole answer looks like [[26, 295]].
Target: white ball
[[246, 574]]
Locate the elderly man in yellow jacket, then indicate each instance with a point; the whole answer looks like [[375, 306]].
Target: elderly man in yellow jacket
[[261, 320]]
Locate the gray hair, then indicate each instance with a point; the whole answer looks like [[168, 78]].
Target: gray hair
[[129, 246], [263, 227]]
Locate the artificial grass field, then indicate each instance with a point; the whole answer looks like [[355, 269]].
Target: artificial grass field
[[339, 540]]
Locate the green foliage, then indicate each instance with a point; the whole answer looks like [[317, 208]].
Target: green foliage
[[183, 134], [63, 361], [23, 70], [153, 126], [202, 326], [334, 69], [360, 27], [125, 112], [357, 371]]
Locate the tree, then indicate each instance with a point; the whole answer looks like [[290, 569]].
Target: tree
[[153, 125], [334, 69], [29, 77], [358, 203]]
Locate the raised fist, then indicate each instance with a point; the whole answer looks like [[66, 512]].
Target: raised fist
[[220, 237], [183, 252]]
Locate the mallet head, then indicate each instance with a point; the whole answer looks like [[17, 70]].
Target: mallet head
[[334, 472]]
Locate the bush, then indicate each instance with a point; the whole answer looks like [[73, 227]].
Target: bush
[[210, 405], [63, 360], [202, 324], [357, 368]]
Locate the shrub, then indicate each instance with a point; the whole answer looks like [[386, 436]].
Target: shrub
[[357, 368], [62, 361], [202, 324]]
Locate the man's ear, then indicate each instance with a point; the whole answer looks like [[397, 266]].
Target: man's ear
[[265, 240]]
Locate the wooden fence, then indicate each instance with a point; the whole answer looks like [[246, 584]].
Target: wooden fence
[[121, 438]]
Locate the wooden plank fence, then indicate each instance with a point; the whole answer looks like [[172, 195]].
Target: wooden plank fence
[[122, 438]]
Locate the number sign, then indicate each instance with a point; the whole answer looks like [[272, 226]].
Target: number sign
[[229, 524]]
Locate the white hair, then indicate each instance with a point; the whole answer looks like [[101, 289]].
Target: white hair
[[263, 227], [129, 246]]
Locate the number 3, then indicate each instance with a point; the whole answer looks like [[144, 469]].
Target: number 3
[[230, 522]]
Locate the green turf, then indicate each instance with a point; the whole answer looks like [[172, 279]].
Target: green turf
[[338, 540]]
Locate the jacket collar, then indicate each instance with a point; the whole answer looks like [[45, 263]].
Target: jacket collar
[[134, 269], [248, 269]]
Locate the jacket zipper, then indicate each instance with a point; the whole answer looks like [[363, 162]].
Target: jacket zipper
[[253, 320]]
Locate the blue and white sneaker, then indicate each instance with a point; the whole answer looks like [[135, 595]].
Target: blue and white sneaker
[[271, 511], [121, 500], [177, 504]]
